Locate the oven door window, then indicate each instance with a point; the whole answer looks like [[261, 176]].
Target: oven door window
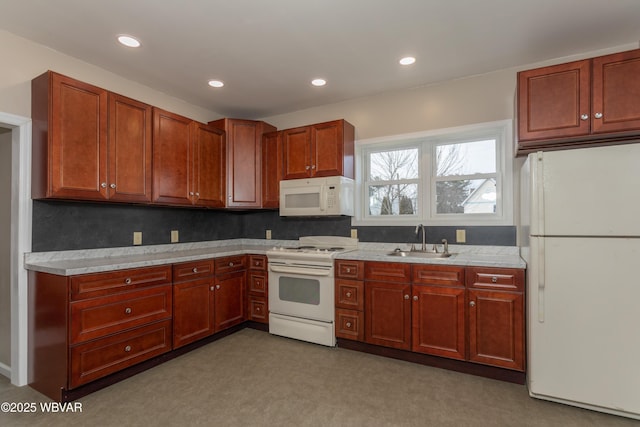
[[299, 290]]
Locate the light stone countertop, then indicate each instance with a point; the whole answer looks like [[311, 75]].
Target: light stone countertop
[[68, 263]]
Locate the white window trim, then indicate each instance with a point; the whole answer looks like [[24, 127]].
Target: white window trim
[[504, 128]]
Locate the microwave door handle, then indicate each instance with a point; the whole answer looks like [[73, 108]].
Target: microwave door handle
[[323, 197]]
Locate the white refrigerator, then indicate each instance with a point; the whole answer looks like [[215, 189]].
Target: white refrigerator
[[580, 236]]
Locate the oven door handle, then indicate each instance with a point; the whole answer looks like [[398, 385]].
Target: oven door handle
[[297, 270]]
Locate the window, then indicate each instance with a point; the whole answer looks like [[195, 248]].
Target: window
[[447, 177]]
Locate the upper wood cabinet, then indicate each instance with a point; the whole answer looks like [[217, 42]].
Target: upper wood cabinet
[[88, 144], [188, 161], [580, 103], [244, 161], [322, 149], [271, 169]]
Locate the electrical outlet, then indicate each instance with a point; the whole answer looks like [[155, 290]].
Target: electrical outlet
[[267, 235], [461, 236], [175, 236], [137, 237], [354, 233]]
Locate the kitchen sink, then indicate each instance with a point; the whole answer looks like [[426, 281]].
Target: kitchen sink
[[418, 254]]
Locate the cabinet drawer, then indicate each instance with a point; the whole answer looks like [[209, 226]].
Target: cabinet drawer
[[507, 279], [350, 324], [387, 271], [192, 270], [350, 269], [258, 309], [93, 285], [98, 358], [97, 317], [230, 263], [438, 275], [258, 283], [257, 262], [350, 294]]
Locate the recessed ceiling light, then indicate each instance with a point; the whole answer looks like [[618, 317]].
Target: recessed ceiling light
[[318, 82], [216, 83], [407, 60], [128, 41]]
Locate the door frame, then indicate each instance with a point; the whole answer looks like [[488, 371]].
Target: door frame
[[21, 220]]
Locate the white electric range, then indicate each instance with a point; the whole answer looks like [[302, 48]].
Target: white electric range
[[302, 289]]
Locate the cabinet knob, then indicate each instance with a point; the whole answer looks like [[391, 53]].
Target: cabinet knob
[[348, 324], [112, 186], [313, 166], [127, 310], [103, 185], [307, 168], [212, 288], [127, 281], [348, 270], [598, 115], [258, 309], [584, 117], [415, 297], [127, 348], [230, 264], [472, 303], [197, 193], [258, 282], [195, 269], [494, 279], [191, 193], [217, 286], [257, 263], [348, 294], [406, 297]]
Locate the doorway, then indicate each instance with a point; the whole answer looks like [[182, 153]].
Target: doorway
[[15, 227]]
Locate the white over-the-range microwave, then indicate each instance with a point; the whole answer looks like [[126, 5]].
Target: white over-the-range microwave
[[327, 196]]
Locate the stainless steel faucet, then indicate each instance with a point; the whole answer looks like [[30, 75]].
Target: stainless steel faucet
[[424, 245]]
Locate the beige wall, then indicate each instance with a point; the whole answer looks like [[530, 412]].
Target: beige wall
[[23, 60], [5, 247]]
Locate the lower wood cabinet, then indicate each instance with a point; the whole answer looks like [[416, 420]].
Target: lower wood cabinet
[[257, 289], [88, 326], [229, 300], [474, 313]]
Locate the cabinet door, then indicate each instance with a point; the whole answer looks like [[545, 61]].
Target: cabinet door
[[172, 158], [271, 169], [616, 87], [388, 314], [296, 149], [496, 328], [438, 321], [209, 170], [229, 300], [129, 178], [327, 149], [244, 175], [554, 102], [193, 313], [78, 140]]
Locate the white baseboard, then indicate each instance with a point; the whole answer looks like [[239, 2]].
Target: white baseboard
[[5, 370]]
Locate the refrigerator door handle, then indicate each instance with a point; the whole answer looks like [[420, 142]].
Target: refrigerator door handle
[[539, 186], [541, 281]]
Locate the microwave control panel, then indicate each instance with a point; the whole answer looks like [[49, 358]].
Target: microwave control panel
[[331, 197]]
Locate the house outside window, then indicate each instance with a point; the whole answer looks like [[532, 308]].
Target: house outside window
[[456, 176]]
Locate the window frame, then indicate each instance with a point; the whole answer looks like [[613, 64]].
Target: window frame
[[426, 142]]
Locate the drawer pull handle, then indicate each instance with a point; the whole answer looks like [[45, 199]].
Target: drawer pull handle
[[348, 324], [127, 348], [348, 294], [127, 310], [494, 279], [195, 269], [127, 280]]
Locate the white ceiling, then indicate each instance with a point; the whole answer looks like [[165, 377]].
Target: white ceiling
[[267, 51]]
